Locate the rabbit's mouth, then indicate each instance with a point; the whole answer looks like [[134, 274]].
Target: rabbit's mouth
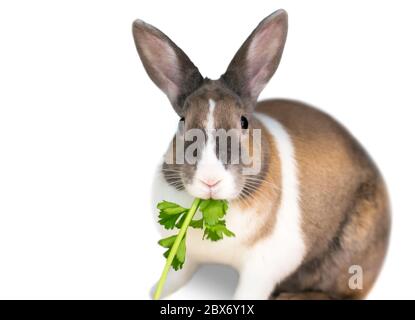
[[213, 186], [205, 192]]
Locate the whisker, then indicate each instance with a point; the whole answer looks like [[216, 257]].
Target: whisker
[[260, 183], [242, 199], [260, 195], [254, 180], [171, 170], [172, 175]]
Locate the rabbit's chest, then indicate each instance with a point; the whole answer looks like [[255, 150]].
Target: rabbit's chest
[[229, 250]]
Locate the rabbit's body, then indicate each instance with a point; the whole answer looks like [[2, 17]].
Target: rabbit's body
[[333, 216], [312, 220]]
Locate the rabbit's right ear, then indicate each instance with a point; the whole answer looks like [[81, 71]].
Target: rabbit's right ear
[[166, 64], [258, 58]]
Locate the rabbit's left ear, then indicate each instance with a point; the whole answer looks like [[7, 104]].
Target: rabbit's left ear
[[166, 64], [258, 58]]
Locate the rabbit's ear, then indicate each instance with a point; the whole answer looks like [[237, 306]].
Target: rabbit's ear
[[166, 64], [258, 58]]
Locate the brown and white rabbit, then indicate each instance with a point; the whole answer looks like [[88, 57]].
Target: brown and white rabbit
[[317, 207]]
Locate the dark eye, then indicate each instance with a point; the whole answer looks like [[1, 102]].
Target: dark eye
[[244, 123], [182, 119]]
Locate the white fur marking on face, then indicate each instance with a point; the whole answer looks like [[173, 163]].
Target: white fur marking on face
[[210, 168], [210, 124], [209, 154], [277, 256]]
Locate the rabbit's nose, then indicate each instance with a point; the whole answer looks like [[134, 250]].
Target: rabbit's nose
[[210, 182]]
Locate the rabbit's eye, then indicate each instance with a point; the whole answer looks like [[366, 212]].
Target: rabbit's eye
[[244, 123], [182, 119]]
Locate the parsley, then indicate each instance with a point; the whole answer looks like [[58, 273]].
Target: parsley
[[172, 216], [170, 213]]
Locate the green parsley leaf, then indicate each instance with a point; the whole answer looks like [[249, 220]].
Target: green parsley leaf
[[217, 231], [168, 221], [170, 213], [181, 251], [213, 210], [166, 204], [197, 224], [167, 242], [170, 208], [180, 256]]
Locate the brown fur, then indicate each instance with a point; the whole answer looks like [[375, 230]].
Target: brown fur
[[343, 202], [267, 195]]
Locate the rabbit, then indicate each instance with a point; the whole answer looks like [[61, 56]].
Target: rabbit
[[313, 220]]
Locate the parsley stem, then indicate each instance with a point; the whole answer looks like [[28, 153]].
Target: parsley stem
[[175, 247]]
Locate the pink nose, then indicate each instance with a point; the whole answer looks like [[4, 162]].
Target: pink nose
[[211, 182]]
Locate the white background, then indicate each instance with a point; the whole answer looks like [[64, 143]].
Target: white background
[[82, 128]]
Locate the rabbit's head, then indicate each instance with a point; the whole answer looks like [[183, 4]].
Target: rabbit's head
[[218, 151]]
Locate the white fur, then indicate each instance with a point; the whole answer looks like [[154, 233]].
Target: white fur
[[268, 261], [210, 168], [210, 123], [277, 256]]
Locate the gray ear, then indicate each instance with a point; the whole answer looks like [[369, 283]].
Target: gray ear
[[166, 64], [258, 58]]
